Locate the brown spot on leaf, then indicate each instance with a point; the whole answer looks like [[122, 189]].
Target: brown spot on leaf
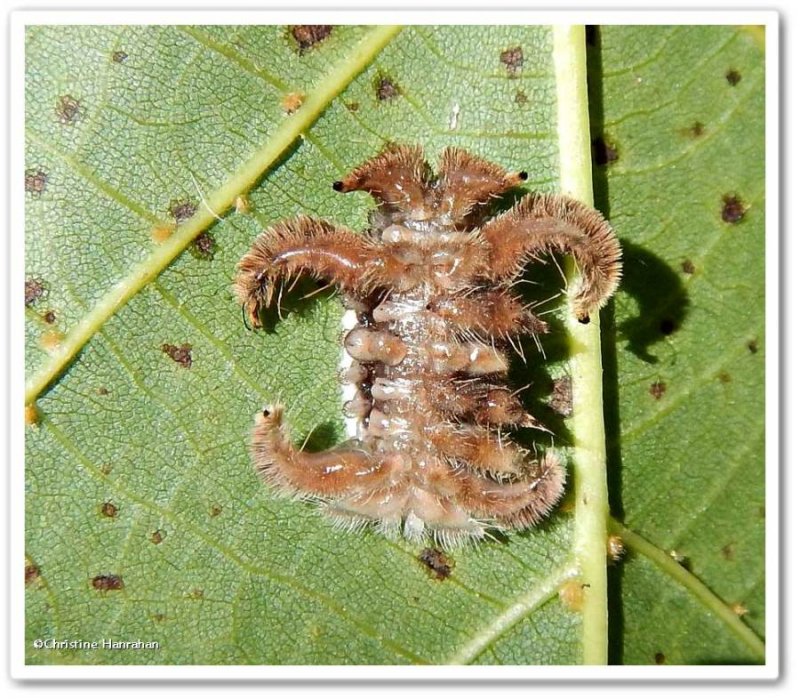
[[658, 389], [215, 510], [571, 595], [108, 582], [68, 109], [157, 536], [728, 552], [659, 658], [34, 290], [204, 247], [180, 354], [752, 345], [733, 210], [697, 129], [51, 340], [35, 181], [103, 391], [688, 267], [106, 469], [561, 396], [196, 594], [32, 573], [158, 617], [513, 59], [603, 151], [292, 101], [308, 36], [352, 106], [31, 414], [386, 89], [438, 563], [733, 77], [119, 57], [109, 510], [161, 232], [520, 98], [49, 316], [724, 378], [182, 210]]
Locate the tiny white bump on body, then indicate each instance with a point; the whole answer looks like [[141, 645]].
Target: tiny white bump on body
[[352, 425]]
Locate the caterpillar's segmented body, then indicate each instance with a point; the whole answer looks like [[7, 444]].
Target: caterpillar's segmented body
[[430, 315]]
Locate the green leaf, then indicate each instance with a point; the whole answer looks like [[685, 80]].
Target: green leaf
[[138, 467]]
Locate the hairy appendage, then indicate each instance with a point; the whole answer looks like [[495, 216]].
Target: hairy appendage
[[541, 223]]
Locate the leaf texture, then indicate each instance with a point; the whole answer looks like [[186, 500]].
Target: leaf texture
[[138, 467]]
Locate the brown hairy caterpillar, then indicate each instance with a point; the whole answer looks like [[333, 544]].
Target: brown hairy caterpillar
[[430, 283]]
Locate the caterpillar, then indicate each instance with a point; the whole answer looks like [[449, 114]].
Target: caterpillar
[[431, 286]]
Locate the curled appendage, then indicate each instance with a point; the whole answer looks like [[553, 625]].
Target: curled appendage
[[330, 473], [398, 178], [493, 314], [542, 223], [304, 246], [515, 504], [466, 181]]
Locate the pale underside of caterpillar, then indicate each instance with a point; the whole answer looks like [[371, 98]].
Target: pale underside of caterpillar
[[431, 284]]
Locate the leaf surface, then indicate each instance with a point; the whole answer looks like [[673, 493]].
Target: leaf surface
[[215, 567]]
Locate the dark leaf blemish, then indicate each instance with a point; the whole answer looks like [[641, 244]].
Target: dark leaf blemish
[[733, 77], [109, 510], [182, 210], [182, 355], [204, 247], [108, 582], [386, 89], [688, 267], [35, 181], [68, 109], [31, 573], [658, 389], [513, 60], [119, 57], [733, 209], [438, 563], [34, 290], [308, 36]]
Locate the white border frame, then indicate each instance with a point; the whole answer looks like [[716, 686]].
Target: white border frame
[[18, 668]]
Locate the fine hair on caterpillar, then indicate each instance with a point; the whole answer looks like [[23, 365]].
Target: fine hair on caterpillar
[[430, 292]]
